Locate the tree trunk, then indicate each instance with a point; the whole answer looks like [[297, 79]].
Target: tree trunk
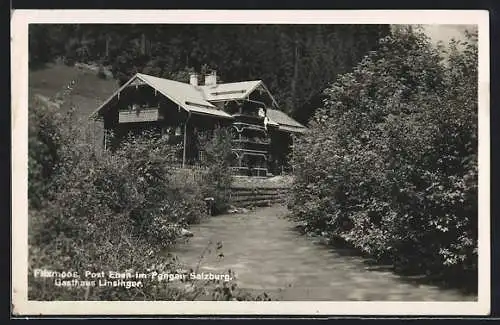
[[143, 44], [107, 45], [295, 76]]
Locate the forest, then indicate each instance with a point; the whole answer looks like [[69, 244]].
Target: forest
[[296, 62], [389, 166]]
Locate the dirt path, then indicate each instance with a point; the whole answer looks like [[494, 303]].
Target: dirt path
[[267, 254]]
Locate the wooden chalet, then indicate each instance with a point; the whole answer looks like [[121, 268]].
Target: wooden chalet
[[262, 134]]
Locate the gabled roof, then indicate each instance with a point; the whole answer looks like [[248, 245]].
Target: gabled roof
[[197, 99], [285, 122], [179, 92], [184, 95], [233, 90]]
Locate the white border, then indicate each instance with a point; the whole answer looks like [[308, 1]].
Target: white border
[[19, 74]]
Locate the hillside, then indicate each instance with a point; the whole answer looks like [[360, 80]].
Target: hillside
[[88, 93]]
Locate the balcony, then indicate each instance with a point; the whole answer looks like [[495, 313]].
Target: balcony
[[242, 139], [148, 114], [249, 127]]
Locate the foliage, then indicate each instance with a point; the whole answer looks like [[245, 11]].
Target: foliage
[[390, 164], [294, 61], [44, 142], [218, 160], [103, 211]]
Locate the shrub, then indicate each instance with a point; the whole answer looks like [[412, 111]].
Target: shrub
[[218, 179], [390, 164], [44, 142], [162, 201], [106, 211]]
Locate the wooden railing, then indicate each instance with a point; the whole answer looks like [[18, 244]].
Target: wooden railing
[[195, 172], [245, 197], [148, 114]]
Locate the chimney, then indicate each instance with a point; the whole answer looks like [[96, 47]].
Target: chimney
[[193, 79], [211, 79]]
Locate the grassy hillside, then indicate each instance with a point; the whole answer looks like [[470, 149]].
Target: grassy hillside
[[89, 91]]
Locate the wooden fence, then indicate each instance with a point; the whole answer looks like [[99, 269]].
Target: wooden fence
[[195, 173], [252, 191], [246, 197]]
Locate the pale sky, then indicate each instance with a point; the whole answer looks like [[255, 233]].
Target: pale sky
[[446, 32]]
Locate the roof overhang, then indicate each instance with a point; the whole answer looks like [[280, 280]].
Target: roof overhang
[[292, 129], [96, 114], [206, 111], [187, 106], [268, 92], [213, 94]]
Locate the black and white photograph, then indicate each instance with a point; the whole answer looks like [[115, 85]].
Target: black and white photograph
[[250, 162]]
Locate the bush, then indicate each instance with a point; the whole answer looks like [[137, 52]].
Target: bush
[[218, 179], [390, 164], [44, 142], [102, 211], [162, 201], [108, 211]]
